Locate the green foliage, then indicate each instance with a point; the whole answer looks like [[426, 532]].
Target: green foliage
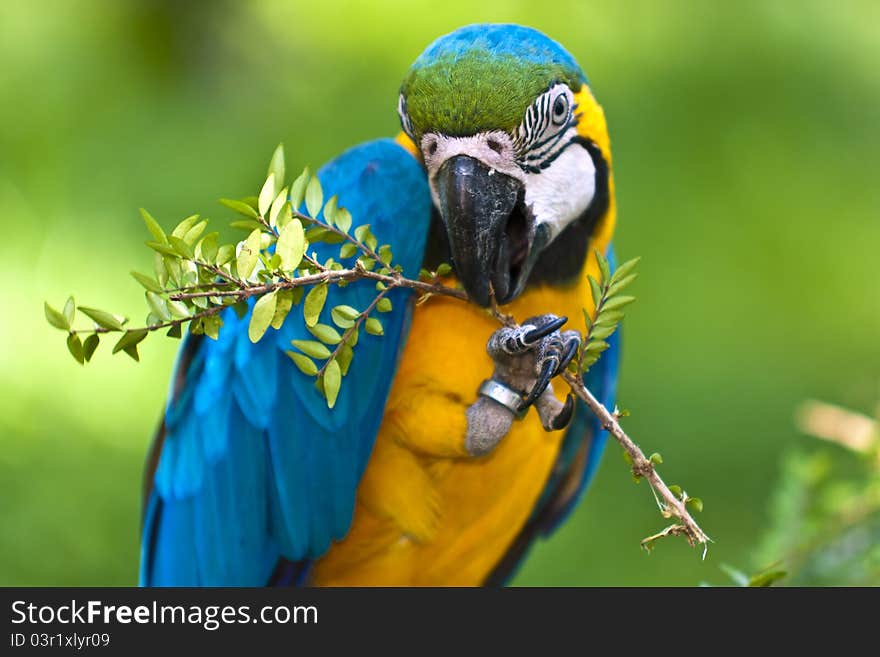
[[761, 579], [608, 302], [825, 518], [195, 278]]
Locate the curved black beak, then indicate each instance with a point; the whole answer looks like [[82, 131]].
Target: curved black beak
[[490, 234]]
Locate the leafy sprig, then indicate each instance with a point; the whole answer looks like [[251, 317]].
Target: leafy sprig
[[195, 278], [609, 302]]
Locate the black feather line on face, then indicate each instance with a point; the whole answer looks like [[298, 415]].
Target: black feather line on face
[[563, 260]]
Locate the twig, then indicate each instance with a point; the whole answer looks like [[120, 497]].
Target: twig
[[671, 505], [354, 327]]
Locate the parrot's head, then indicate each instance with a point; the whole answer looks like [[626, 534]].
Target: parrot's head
[[516, 153]]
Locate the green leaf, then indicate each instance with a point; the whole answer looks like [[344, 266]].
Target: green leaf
[[348, 250], [89, 346], [211, 326], [55, 318], [326, 334], [133, 352], [181, 229], [298, 189], [148, 282], [330, 210], [609, 317], [588, 322], [276, 168], [208, 247], [305, 364], [332, 382], [180, 247], [75, 347], [69, 311], [444, 269], [246, 224], [602, 332], [763, 580], [618, 302], [267, 195], [619, 286], [384, 305], [385, 254], [178, 309], [343, 220], [314, 197], [739, 578], [158, 306], [195, 232], [675, 489], [129, 339], [655, 458], [162, 247], [291, 245], [314, 303], [279, 213], [283, 304], [312, 348], [624, 269], [361, 232], [261, 317], [595, 291], [603, 268], [344, 316], [346, 354], [695, 502], [596, 346], [240, 207], [225, 254], [249, 254], [154, 227], [103, 319], [373, 326], [175, 331]]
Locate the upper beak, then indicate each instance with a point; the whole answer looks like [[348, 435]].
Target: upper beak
[[489, 233]]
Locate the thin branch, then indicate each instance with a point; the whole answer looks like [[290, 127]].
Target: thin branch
[[671, 505], [354, 327]]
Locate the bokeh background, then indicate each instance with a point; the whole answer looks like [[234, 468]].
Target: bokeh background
[[746, 141]]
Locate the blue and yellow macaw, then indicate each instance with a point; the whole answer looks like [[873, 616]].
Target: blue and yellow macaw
[[503, 168]]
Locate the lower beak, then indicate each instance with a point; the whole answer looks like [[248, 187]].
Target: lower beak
[[489, 233]]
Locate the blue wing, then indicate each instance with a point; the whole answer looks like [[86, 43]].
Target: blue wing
[[252, 469], [578, 458]]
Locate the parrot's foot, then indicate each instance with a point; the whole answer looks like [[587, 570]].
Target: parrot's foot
[[526, 358]]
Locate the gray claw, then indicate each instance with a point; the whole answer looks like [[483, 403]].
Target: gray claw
[[569, 353], [541, 383], [561, 421], [539, 332]]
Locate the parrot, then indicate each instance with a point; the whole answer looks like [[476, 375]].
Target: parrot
[[430, 470]]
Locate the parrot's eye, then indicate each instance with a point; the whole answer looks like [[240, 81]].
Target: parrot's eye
[[560, 109], [405, 121], [546, 119]]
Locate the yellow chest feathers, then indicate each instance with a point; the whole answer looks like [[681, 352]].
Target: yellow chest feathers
[[428, 513]]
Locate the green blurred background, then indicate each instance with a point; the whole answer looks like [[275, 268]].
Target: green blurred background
[[746, 141]]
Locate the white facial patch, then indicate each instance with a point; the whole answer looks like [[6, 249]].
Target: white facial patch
[[556, 196], [563, 191]]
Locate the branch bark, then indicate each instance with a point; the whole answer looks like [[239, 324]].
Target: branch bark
[[670, 505]]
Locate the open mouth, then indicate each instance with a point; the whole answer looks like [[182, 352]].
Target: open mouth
[[507, 279]]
